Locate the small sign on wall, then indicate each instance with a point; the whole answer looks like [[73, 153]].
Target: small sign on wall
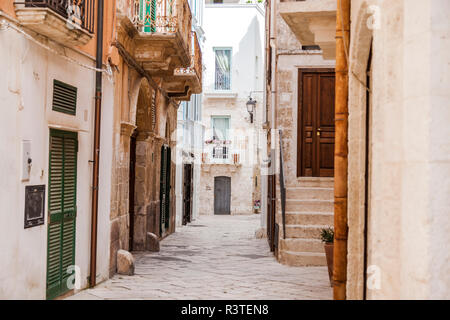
[[34, 205]]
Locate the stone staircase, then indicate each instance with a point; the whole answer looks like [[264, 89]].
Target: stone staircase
[[309, 208]]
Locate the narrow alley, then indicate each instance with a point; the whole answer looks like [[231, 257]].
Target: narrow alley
[[214, 258]]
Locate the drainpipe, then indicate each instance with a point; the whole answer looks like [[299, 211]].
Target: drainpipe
[[95, 175], [341, 150]]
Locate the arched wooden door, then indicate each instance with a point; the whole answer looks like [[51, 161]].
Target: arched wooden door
[[222, 195]]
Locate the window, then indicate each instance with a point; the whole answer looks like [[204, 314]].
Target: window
[[64, 98], [220, 126], [223, 69]]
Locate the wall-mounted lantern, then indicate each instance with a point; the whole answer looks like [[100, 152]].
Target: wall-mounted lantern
[[251, 104]]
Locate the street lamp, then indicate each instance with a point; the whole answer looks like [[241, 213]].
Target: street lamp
[[251, 108]]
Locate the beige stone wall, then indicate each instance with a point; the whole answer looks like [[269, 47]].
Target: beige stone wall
[[133, 112], [289, 58], [244, 138], [241, 183], [408, 225]]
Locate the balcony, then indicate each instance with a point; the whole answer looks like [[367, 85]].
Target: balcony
[[187, 81], [65, 21], [313, 22], [156, 33]]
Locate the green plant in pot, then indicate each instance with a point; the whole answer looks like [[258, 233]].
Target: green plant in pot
[[327, 236]]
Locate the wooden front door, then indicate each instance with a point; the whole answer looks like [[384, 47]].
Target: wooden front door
[[222, 195], [62, 210], [315, 150], [187, 194], [165, 190]]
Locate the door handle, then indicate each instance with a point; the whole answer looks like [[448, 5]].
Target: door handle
[[318, 131]]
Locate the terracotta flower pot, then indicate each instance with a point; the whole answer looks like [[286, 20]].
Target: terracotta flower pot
[[329, 254]]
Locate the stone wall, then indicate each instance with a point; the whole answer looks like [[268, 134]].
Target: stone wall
[[408, 226], [244, 140], [134, 100]]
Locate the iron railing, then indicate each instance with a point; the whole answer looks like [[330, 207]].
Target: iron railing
[[196, 67], [78, 12], [220, 152], [282, 186], [162, 16], [222, 80]]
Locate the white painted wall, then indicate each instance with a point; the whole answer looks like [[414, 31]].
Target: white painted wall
[[240, 27], [26, 89], [189, 137]]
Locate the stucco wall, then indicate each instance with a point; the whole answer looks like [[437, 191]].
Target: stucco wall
[[26, 91]]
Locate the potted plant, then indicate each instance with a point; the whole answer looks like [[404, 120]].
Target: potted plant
[[327, 236]]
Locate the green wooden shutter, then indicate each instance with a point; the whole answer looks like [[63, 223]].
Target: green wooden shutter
[[168, 166], [163, 188], [62, 210], [64, 98]]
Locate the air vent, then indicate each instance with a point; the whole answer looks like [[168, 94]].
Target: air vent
[[64, 98]]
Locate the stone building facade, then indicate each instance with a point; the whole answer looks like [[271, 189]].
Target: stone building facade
[[230, 159], [300, 75], [190, 132], [160, 65], [397, 245]]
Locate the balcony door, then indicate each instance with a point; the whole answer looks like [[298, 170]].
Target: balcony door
[[220, 127], [316, 128]]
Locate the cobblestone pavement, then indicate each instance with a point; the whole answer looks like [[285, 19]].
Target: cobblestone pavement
[[214, 258]]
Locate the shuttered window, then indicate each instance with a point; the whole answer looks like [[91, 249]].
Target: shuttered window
[[62, 210], [64, 97]]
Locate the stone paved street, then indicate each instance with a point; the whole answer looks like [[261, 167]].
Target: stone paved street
[[215, 257]]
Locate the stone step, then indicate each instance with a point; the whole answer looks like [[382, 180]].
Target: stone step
[[304, 232], [301, 245], [302, 259], [313, 182], [309, 218], [326, 206], [310, 193]]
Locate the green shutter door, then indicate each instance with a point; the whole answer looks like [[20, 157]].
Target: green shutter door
[[165, 189], [62, 210]]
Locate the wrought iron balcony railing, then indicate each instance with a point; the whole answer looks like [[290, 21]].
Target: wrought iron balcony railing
[[196, 60], [220, 152], [78, 12], [162, 16]]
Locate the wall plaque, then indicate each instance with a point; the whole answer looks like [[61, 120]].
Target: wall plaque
[[34, 205]]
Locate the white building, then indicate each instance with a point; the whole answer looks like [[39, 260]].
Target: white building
[[47, 102], [190, 132], [233, 55]]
